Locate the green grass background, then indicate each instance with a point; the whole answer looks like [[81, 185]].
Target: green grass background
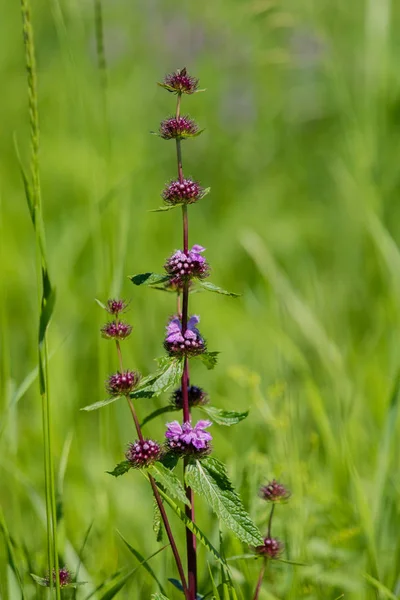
[[301, 151]]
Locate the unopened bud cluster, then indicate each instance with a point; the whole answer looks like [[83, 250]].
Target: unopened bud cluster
[[186, 191], [122, 383], [143, 453], [274, 492], [196, 395], [272, 548], [182, 267], [64, 577]]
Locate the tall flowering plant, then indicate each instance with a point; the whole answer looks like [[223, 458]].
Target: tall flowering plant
[[188, 441]]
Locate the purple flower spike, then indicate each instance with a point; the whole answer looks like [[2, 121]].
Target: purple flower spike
[[272, 548], [115, 307], [183, 192], [64, 577], [143, 453], [178, 128], [119, 384], [189, 343], [117, 330], [180, 82], [274, 492], [187, 440], [182, 267], [197, 397]]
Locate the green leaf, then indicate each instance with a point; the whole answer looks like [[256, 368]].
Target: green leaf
[[169, 374], [224, 417], [9, 547], [157, 522], [142, 560], [165, 208], [40, 580], [207, 285], [209, 478], [101, 403], [169, 482], [209, 359], [149, 279], [157, 413], [121, 468], [101, 304], [159, 596], [200, 536]]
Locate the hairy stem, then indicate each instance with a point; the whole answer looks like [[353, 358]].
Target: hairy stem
[[155, 490], [260, 580], [190, 512]]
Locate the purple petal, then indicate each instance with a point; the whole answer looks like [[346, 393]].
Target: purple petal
[[174, 325], [193, 322], [173, 429], [175, 337], [202, 425], [190, 334], [199, 444], [197, 249]]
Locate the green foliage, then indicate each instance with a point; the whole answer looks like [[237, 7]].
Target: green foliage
[[208, 478], [143, 562], [210, 287], [169, 482], [224, 417], [121, 468], [101, 403], [209, 359], [149, 279], [169, 373]]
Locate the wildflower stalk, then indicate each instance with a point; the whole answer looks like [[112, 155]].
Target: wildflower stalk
[[270, 519], [155, 489], [260, 579], [46, 295], [190, 536]]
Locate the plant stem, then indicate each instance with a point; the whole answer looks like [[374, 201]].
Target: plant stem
[[260, 580], [155, 490], [270, 519], [189, 510]]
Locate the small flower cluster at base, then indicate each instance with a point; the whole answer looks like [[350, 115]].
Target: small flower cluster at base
[[180, 82], [115, 307], [197, 397], [186, 191], [178, 128], [274, 492], [64, 577], [189, 343], [181, 267], [143, 453], [185, 440], [119, 384], [272, 548], [116, 330]]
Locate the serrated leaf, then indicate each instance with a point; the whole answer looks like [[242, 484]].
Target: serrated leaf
[[121, 468], [101, 403], [209, 479], [210, 287], [156, 413], [165, 208], [149, 278], [169, 374], [224, 417], [142, 560], [40, 580], [169, 482], [209, 359], [200, 536], [169, 460]]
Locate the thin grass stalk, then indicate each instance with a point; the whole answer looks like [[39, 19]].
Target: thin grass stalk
[[191, 542], [45, 292]]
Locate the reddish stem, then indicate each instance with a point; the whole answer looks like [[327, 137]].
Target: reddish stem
[[260, 580]]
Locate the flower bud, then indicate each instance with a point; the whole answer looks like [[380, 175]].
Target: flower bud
[[117, 330], [180, 82], [143, 453], [178, 128], [272, 547], [186, 191], [119, 384], [274, 492], [197, 397]]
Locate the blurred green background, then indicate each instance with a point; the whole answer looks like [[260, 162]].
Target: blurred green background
[[301, 151]]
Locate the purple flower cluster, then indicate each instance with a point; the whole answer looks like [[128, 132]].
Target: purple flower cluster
[[188, 343], [181, 267], [272, 548], [197, 397], [185, 439], [119, 384], [143, 453], [64, 577], [180, 82], [117, 330], [178, 128], [115, 307], [274, 492], [186, 191]]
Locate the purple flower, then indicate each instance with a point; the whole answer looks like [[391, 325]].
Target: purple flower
[[185, 439], [274, 492], [119, 384], [178, 128], [143, 453], [186, 191], [181, 267], [197, 397], [272, 547], [117, 330], [64, 577], [114, 307], [180, 82], [189, 343]]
